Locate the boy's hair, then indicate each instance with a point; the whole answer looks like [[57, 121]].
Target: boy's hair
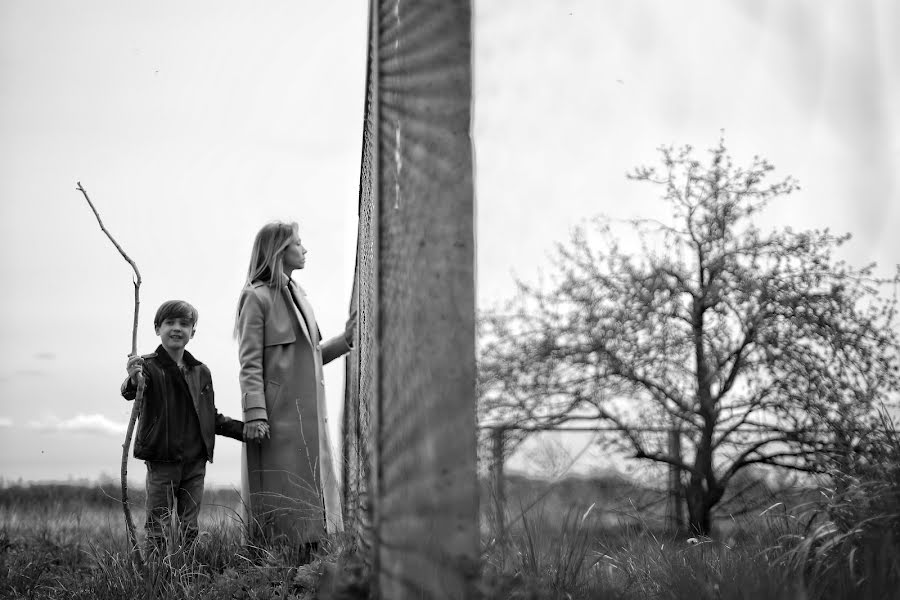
[[175, 309], [268, 247]]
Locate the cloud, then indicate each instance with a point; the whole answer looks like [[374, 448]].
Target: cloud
[[24, 373], [5, 422], [31, 372], [81, 424]]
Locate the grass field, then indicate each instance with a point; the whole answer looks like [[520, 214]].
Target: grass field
[[63, 541], [562, 540]]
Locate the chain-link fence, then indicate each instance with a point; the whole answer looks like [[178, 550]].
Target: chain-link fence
[[409, 427]]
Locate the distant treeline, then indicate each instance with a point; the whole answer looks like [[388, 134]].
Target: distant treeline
[[618, 499], [101, 495], [614, 493]]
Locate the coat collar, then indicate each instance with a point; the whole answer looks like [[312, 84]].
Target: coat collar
[[296, 300], [163, 357], [285, 281], [300, 308], [290, 284]]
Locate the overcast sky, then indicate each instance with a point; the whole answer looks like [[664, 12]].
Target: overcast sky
[[192, 124]]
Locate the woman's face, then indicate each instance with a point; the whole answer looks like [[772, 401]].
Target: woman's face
[[294, 256]]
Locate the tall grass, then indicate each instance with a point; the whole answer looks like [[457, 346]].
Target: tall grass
[[843, 545], [850, 544], [584, 558], [61, 547]]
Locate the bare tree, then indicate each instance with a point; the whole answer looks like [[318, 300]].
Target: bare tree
[[760, 348]]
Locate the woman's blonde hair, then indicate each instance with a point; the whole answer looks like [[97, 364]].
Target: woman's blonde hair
[[265, 257], [268, 247]]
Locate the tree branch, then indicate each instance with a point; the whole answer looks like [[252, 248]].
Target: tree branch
[[137, 560]]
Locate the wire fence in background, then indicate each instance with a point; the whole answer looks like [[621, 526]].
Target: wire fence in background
[[549, 463]]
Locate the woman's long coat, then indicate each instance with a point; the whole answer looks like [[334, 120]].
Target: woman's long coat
[[289, 478]]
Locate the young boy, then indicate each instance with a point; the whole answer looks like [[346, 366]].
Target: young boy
[[178, 424]]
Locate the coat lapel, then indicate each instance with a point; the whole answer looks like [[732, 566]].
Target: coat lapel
[[187, 380], [308, 314], [192, 379], [293, 299]]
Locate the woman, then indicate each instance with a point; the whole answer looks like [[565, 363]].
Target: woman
[[289, 482]]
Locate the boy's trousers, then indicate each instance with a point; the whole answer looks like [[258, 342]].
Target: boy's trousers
[[173, 488]]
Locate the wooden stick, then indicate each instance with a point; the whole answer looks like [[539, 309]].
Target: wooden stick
[[136, 557]]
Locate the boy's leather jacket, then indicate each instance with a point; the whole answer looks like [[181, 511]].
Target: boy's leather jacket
[[159, 428]]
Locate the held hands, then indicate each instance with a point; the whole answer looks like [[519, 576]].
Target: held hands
[[134, 366], [256, 430]]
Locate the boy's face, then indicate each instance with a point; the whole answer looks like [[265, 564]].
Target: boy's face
[[175, 332]]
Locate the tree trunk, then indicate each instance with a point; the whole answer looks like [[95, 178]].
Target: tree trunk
[[698, 506], [499, 487], [675, 510]]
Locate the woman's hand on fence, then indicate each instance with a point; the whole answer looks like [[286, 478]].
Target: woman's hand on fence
[[350, 329]]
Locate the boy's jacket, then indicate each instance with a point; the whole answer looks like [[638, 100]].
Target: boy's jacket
[[159, 430]]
